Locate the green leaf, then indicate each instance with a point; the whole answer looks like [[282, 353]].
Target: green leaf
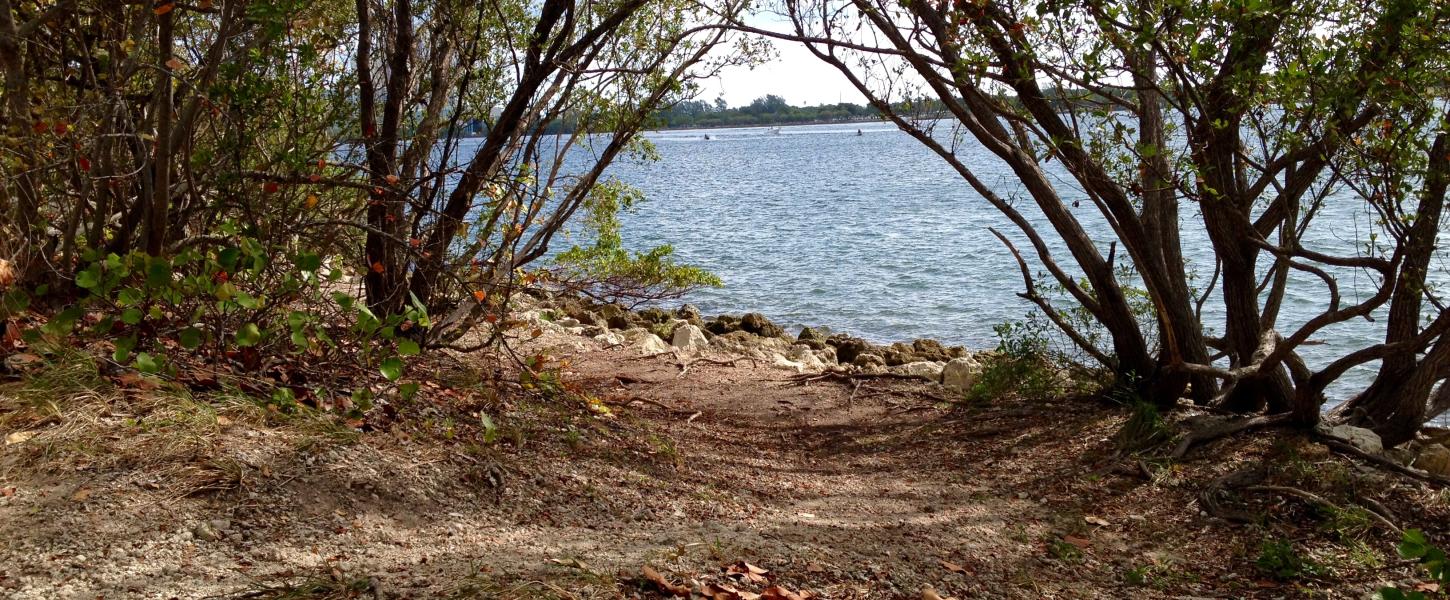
[[407, 347], [392, 368], [62, 323], [190, 338], [158, 273], [490, 429], [145, 363], [308, 262], [132, 316], [407, 391], [130, 296], [362, 399], [248, 335], [89, 278]]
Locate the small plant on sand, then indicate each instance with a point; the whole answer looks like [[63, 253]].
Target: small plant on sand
[[1280, 560], [1145, 428], [1020, 366], [1064, 551]]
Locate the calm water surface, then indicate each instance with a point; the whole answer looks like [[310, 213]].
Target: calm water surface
[[874, 235]]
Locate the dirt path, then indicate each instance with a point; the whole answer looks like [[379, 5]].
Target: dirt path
[[875, 492]]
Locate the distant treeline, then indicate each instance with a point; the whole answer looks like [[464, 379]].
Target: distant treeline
[[774, 110], [769, 110]]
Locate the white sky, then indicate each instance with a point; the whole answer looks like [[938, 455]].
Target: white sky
[[795, 74]]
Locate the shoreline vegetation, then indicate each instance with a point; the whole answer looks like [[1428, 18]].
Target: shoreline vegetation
[[258, 335]]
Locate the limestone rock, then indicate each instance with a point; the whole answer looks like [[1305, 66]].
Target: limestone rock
[[848, 348], [610, 338], [615, 316], [1435, 459], [928, 370], [641, 340], [960, 374], [688, 312], [753, 346], [757, 324], [722, 325], [689, 338], [781, 362], [1359, 437], [869, 362], [806, 357]]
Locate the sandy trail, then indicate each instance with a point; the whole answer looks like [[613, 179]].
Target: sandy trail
[[874, 492]]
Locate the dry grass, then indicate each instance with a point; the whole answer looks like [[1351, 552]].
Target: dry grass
[[67, 416]]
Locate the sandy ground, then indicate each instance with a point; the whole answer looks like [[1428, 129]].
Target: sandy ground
[[842, 492]]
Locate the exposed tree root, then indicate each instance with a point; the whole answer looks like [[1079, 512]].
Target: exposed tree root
[[1316, 499], [685, 366], [847, 377], [1342, 446], [1209, 498], [1213, 432]]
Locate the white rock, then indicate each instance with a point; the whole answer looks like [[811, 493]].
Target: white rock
[[801, 353], [609, 338], [959, 374], [781, 362], [648, 343], [1359, 437], [928, 370], [689, 338]]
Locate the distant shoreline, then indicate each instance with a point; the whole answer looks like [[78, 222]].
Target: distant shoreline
[[784, 124]]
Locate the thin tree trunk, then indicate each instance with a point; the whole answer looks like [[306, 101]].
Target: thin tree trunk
[[158, 216]]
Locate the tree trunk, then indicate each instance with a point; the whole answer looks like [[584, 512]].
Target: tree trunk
[[157, 214], [1396, 403]]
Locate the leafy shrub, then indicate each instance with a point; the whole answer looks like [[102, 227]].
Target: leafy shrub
[[1415, 546]]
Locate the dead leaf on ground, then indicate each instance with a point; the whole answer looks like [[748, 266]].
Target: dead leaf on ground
[[719, 591], [748, 572], [136, 381], [1096, 521], [7, 491], [1081, 543], [930, 593], [953, 567], [1428, 586], [22, 361], [665, 586], [82, 494], [776, 592], [7, 273]]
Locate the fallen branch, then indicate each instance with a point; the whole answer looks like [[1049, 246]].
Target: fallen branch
[[1213, 432]]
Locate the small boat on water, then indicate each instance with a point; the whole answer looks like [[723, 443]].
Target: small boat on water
[[858, 132]]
